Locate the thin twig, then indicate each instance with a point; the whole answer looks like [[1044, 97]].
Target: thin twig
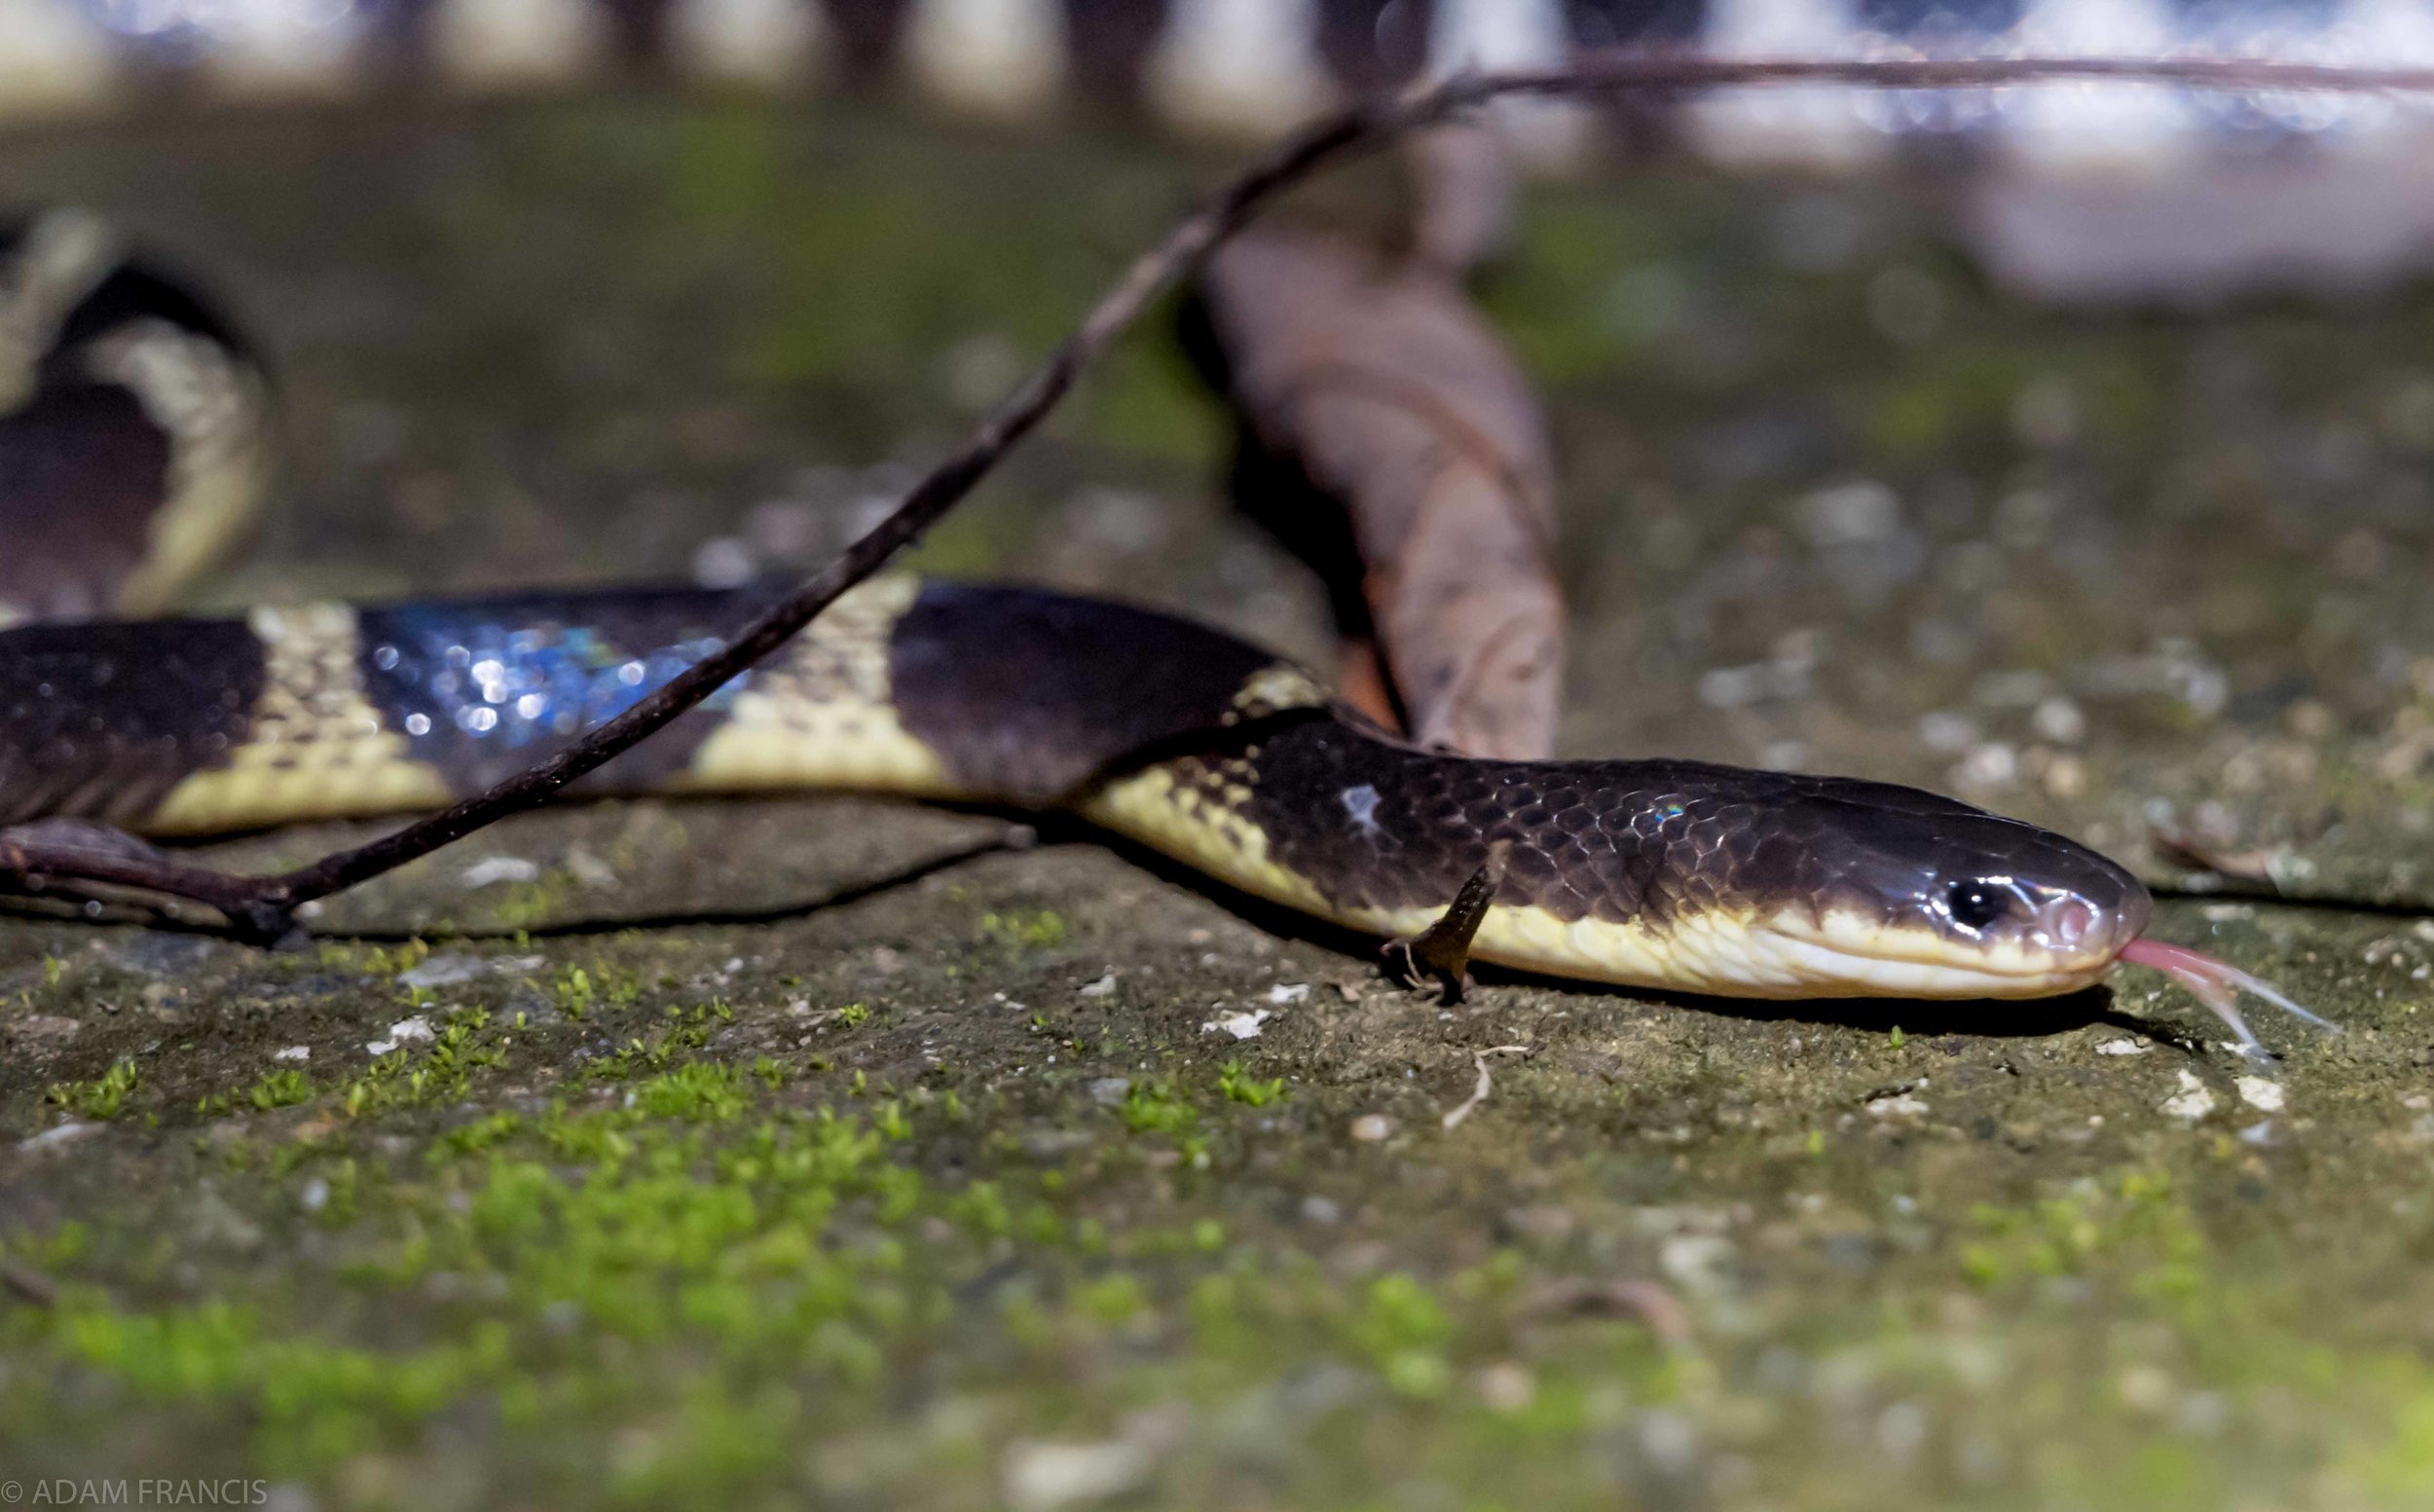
[[28, 1283], [263, 906], [40, 860], [1455, 1115]]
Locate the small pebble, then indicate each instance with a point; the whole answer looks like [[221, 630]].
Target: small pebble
[[1507, 1386], [724, 562], [2059, 720], [1042, 1477], [1850, 514], [1371, 1127], [1994, 764], [2144, 1389], [1947, 733]]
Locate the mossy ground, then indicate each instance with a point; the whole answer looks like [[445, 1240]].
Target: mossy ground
[[728, 1154]]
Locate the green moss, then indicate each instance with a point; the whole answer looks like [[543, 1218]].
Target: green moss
[[281, 1089], [103, 1098], [370, 960], [698, 1092], [2135, 1215], [577, 992], [1029, 929], [1402, 1327], [523, 904], [1239, 1085], [686, 1032], [463, 1046], [1157, 1107]]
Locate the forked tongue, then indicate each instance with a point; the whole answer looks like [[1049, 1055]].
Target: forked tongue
[[2217, 984]]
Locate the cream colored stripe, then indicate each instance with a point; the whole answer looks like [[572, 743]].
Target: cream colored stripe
[[822, 713], [317, 750]]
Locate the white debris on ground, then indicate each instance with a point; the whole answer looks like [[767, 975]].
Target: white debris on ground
[[1243, 1026], [1699, 1262], [1898, 1105], [451, 968], [498, 868], [405, 1031], [2124, 1047], [590, 870], [443, 970], [2193, 1101], [1288, 992], [293, 1053], [53, 1138], [1100, 988], [1042, 1477], [2261, 1093]]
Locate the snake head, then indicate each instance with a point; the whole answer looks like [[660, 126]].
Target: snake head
[[1927, 897]]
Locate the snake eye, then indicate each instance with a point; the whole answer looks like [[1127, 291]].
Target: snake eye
[[1975, 903]]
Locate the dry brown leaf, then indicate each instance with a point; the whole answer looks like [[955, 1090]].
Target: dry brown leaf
[[2193, 853], [1396, 401], [1462, 186], [1656, 1308]]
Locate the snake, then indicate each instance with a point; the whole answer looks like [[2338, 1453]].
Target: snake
[[138, 409]]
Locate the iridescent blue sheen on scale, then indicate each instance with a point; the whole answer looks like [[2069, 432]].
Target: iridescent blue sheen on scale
[[486, 686]]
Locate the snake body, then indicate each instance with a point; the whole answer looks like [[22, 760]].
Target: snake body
[[1660, 874], [133, 422]]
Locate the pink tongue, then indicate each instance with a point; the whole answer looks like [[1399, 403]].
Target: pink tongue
[[2217, 984]]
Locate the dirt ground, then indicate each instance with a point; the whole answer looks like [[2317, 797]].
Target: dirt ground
[[734, 1154]]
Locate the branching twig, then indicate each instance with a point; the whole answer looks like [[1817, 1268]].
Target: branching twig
[[263, 906]]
